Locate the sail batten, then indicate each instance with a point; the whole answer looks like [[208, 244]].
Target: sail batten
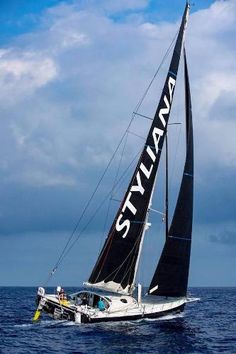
[[118, 260], [171, 275]]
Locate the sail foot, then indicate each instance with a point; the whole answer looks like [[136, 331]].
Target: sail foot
[[110, 286]]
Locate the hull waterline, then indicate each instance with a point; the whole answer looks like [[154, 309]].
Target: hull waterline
[[118, 308]]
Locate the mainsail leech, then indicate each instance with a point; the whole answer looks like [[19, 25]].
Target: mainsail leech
[[117, 263], [171, 275]]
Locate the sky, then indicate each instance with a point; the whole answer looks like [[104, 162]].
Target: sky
[[71, 74]]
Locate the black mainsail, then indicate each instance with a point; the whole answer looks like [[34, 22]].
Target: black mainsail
[[171, 275], [116, 266]]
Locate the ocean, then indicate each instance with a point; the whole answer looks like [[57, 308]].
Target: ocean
[[207, 326]]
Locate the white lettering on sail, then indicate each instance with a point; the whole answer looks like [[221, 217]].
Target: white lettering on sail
[[151, 153], [139, 188], [146, 172], [165, 110], [126, 224], [171, 86], [156, 134], [129, 205]]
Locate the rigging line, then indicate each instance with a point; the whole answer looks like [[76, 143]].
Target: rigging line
[[112, 227], [120, 162], [105, 224], [116, 270], [91, 218], [135, 113], [138, 250], [179, 118], [135, 248], [139, 238], [113, 187], [138, 136], [145, 256], [118, 183], [110, 161], [167, 188], [88, 203], [128, 271], [175, 158], [98, 208], [157, 71], [142, 115], [116, 200], [111, 232]]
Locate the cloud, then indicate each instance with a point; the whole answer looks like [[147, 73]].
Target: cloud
[[227, 237], [68, 90], [212, 56], [224, 106], [112, 7], [23, 72]]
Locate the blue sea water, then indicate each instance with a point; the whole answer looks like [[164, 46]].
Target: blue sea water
[[207, 326]]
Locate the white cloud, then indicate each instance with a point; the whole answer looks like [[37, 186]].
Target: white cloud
[[21, 73], [68, 89], [212, 59], [111, 6], [122, 5]]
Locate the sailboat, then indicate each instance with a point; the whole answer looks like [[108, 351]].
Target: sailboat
[[108, 294]]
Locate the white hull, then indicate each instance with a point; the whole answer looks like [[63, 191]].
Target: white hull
[[118, 307]]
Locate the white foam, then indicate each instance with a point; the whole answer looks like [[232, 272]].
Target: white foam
[[24, 325], [166, 317]]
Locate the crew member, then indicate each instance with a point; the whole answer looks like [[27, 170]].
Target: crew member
[[101, 305], [62, 295]]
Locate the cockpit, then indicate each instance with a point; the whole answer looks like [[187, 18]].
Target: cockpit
[[90, 299]]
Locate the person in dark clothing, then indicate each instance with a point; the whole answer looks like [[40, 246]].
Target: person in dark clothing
[[84, 300]]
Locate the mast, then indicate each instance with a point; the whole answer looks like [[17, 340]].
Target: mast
[[117, 263], [167, 191], [171, 275], [146, 227]]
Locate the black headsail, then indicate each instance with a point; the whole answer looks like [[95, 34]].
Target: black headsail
[[116, 266], [171, 276]]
